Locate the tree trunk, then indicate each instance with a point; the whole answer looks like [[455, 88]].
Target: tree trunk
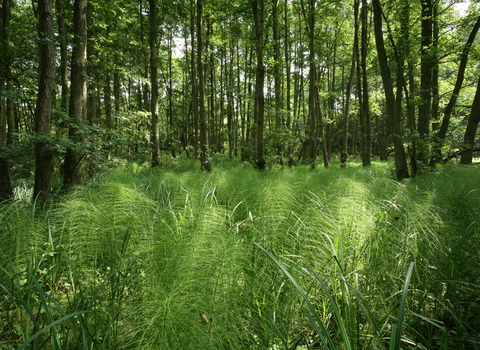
[[288, 68], [43, 160], [346, 117], [442, 132], [310, 145], [5, 185], [154, 134], [8, 76], [401, 168], [426, 67], [259, 106], [365, 101], [230, 103], [92, 117], [193, 75], [73, 172], [62, 37], [277, 66], [205, 163], [471, 130], [321, 130]]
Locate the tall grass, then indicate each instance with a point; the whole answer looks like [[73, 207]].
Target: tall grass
[[237, 259]]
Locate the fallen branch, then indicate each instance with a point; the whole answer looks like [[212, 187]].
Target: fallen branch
[[456, 154]]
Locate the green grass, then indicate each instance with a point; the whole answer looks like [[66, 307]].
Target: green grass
[[286, 259]]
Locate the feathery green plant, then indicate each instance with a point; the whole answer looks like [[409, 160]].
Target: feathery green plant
[[175, 258]]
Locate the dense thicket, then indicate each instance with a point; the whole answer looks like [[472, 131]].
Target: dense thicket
[[282, 81]]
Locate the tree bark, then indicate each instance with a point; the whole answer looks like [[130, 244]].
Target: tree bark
[[8, 76], [288, 107], [205, 163], [92, 117], [74, 158], [5, 184], [62, 38], [259, 106], [401, 168], [471, 130], [277, 66], [193, 78], [442, 132], [43, 160], [365, 101], [426, 68], [310, 145], [348, 90], [154, 134]]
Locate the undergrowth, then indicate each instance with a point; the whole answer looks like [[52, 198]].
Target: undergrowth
[[239, 259]]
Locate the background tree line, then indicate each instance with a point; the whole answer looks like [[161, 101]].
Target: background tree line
[[279, 81]]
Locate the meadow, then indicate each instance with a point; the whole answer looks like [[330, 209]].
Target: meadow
[[176, 258]]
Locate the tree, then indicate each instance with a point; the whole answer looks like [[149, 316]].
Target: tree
[[401, 167], [205, 163], [154, 134], [310, 146], [62, 38], [5, 184], [346, 118], [447, 113], [365, 122], [74, 157], [426, 81], [471, 130], [43, 159], [258, 7]]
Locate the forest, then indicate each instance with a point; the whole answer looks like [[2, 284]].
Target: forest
[[239, 174]]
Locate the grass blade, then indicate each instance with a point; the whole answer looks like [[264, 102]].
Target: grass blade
[[396, 336], [46, 328], [322, 331]]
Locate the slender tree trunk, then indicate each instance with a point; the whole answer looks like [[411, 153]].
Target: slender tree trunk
[[357, 135], [194, 81], [279, 122], [277, 66], [62, 38], [205, 163], [426, 68], [401, 168], [43, 160], [366, 120], [471, 130], [288, 69], [442, 132], [117, 87], [321, 130], [91, 68], [404, 54], [259, 107], [107, 98], [230, 103], [8, 76], [73, 172], [212, 134], [310, 146], [435, 68], [331, 116], [346, 117], [155, 133], [171, 122], [5, 184]]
